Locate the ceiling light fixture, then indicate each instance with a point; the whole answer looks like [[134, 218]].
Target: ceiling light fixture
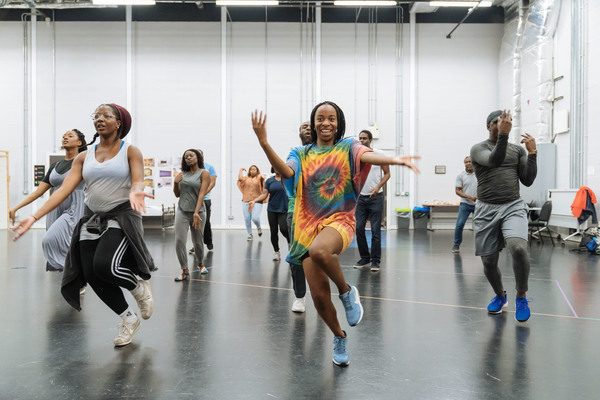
[[247, 2], [364, 3], [460, 3], [123, 2]]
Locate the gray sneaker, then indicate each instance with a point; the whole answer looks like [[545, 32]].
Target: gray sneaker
[[455, 249]]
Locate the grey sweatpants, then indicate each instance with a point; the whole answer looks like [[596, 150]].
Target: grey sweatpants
[[183, 222]]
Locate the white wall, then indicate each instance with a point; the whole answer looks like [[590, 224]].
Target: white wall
[[592, 122], [177, 96]]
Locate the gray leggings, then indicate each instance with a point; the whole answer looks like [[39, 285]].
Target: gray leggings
[[183, 222], [520, 256]]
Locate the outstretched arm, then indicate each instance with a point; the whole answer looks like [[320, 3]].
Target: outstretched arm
[[374, 158], [70, 183], [39, 192], [260, 129]]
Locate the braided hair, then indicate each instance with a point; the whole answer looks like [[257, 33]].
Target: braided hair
[[341, 120], [81, 138]]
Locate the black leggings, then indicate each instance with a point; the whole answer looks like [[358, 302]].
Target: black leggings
[[103, 263], [275, 220]]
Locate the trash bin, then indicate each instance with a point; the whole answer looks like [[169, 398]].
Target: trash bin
[[420, 217], [403, 217]]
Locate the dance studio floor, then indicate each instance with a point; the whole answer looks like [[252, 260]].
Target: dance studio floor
[[231, 335]]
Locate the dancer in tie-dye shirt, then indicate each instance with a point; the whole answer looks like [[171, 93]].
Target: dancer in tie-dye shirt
[[326, 177]]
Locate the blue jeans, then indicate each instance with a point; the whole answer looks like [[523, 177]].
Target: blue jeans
[[464, 210], [253, 216], [369, 208]]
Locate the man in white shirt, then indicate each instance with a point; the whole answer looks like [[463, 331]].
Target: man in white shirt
[[370, 206], [466, 189]]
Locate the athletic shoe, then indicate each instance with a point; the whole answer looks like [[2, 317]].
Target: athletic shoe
[[203, 270], [82, 291], [340, 355], [259, 232], [277, 256], [250, 237], [299, 305], [363, 262], [375, 266], [455, 249], [497, 304], [182, 277], [145, 300], [354, 310], [523, 313], [126, 332], [210, 246], [192, 251]]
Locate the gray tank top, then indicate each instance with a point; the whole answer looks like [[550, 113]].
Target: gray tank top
[[189, 187], [107, 184]]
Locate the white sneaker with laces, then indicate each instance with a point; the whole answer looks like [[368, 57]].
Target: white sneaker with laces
[[250, 237], [126, 332], [145, 300], [299, 305], [277, 256]]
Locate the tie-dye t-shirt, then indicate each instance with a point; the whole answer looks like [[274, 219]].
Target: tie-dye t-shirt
[[326, 183]]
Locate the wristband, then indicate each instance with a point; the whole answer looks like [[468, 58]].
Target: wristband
[[35, 218]]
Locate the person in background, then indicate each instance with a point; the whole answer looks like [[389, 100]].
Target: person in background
[[251, 187], [61, 221], [369, 206], [466, 189], [276, 210], [500, 217], [298, 278], [326, 177], [208, 238], [190, 187], [107, 248]]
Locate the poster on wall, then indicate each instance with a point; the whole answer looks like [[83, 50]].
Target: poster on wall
[[148, 162]]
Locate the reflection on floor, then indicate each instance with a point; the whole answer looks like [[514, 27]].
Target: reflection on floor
[[231, 335]]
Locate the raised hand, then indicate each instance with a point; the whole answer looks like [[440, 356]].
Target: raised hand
[[23, 227], [529, 142], [259, 125], [505, 122]]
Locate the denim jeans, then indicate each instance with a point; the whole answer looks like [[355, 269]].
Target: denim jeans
[[369, 208], [252, 216], [464, 210]]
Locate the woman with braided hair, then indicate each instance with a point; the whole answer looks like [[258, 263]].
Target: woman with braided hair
[[61, 221], [107, 249]]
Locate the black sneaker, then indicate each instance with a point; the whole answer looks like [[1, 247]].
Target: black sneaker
[[375, 266], [192, 251], [210, 247], [361, 263], [455, 249]]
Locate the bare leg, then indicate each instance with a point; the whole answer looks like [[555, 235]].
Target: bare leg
[[324, 252]]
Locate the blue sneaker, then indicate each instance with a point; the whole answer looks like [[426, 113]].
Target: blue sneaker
[[523, 313], [351, 301], [497, 304], [340, 355]]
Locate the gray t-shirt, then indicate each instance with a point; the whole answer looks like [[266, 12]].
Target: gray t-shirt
[[189, 188], [468, 184], [499, 166]]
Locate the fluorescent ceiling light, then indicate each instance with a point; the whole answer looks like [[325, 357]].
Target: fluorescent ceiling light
[[247, 2], [460, 3], [124, 2], [364, 3]]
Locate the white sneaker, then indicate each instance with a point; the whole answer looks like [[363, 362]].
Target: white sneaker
[[145, 300], [250, 237], [299, 305], [126, 332], [277, 256]]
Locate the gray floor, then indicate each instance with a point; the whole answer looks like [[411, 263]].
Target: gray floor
[[231, 334]]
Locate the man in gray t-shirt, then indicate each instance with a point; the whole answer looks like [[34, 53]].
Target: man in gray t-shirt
[[500, 217], [466, 189]]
